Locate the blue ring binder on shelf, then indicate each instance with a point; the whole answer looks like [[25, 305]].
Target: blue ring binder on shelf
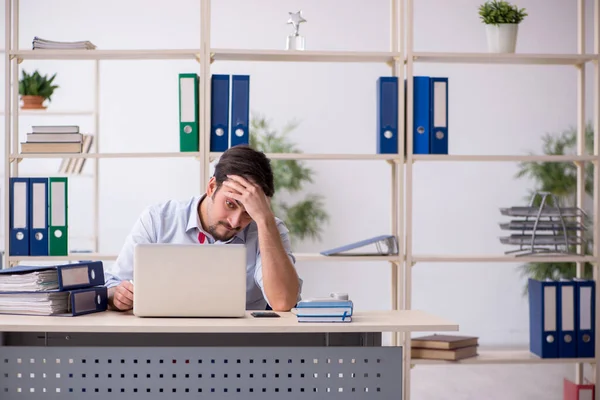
[[389, 241]]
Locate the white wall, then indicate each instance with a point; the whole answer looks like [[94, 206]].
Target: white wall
[[493, 110]]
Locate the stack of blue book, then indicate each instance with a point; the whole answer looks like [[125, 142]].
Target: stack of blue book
[[326, 309], [66, 289]]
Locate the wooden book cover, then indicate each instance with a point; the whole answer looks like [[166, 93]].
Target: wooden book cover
[[444, 342], [450, 355]]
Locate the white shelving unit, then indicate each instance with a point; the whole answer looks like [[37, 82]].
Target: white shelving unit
[[578, 61], [401, 62]]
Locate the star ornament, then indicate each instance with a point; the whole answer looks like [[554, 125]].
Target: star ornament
[[296, 19]]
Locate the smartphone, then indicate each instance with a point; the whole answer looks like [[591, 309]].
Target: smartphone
[[264, 314]]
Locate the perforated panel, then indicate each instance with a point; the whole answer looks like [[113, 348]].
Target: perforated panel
[[200, 372]]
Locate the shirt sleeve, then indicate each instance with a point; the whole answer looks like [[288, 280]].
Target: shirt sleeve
[[258, 272], [143, 231]]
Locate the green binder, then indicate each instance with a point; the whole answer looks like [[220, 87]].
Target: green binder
[[58, 206], [188, 112]]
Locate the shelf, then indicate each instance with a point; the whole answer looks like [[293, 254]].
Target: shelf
[[304, 156], [508, 158], [108, 155], [49, 113], [503, 58], [176, 54], [70, 257], [500, 258], [110, 257], [505, 357], [319, 257], [303, 56]]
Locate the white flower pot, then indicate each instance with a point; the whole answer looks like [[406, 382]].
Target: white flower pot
[[502, 38]]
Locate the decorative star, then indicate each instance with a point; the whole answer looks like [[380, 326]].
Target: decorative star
[[296, 19]]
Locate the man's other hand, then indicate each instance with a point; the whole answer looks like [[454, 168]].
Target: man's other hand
[[121, 297]]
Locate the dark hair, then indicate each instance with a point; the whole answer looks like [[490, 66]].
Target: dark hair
[[251, 164]]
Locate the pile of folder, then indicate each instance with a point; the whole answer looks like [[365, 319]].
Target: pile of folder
[[326, 309], [53, 139], [430, 115], [39, 43], [68, 289], [38, 209], [229, 112], [562, 318]]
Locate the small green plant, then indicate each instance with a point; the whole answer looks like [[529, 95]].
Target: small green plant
[[560, 178], [501, 12], [305, 218], [37, 85]]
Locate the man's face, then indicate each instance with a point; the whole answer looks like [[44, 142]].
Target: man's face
[[225, 216]]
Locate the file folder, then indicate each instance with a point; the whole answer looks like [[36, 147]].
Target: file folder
[[421, 114], [188, 112], [19, 219], [38, 215], [389, 241], [567, 340], [543, 318], [586, 317], [439, 115], [574, 391], [31, 278], [387, 115], [240, 109], [64, 303], [58, 217], [219, 113]]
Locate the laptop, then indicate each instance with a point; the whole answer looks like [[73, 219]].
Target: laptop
[[189, 280]]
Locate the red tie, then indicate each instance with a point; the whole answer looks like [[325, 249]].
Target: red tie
[[201, 237]]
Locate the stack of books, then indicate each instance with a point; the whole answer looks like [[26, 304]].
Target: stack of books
[[53, 139], [39, 43], [444, 347], [67, 289], [326, 309]]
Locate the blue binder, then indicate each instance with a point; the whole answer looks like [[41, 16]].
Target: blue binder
[[421, 114], [38, 216], [68, 276], [439, 116], [219, 113], [19, 216], [87, 301], [387, 115], [389, 241], [240, 109], [543, 318], [567, 343], [586, 317]]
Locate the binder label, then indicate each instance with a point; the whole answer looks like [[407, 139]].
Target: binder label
[[549, 308]]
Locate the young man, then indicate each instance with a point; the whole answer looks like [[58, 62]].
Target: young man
[[234, 209]]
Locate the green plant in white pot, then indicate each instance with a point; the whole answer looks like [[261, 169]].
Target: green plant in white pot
[[501, 21]]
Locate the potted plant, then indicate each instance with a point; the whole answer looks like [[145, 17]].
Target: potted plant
[[502, 21], [305, 217], [35, 89]]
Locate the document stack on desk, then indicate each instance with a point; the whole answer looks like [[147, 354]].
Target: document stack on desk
[[328, 309], [69, 289]]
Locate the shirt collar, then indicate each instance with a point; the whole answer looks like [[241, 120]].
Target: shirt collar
[[194, 223]]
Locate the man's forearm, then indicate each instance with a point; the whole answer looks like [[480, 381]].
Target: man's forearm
[[280, 279]]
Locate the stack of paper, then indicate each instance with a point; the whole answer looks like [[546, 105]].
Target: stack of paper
[[38, 303], [39, 43], [324, 310], [35, 281]]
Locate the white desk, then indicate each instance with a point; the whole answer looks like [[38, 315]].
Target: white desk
[[118, 355]]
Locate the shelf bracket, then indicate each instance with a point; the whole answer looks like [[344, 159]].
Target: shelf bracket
[[197, 56]]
